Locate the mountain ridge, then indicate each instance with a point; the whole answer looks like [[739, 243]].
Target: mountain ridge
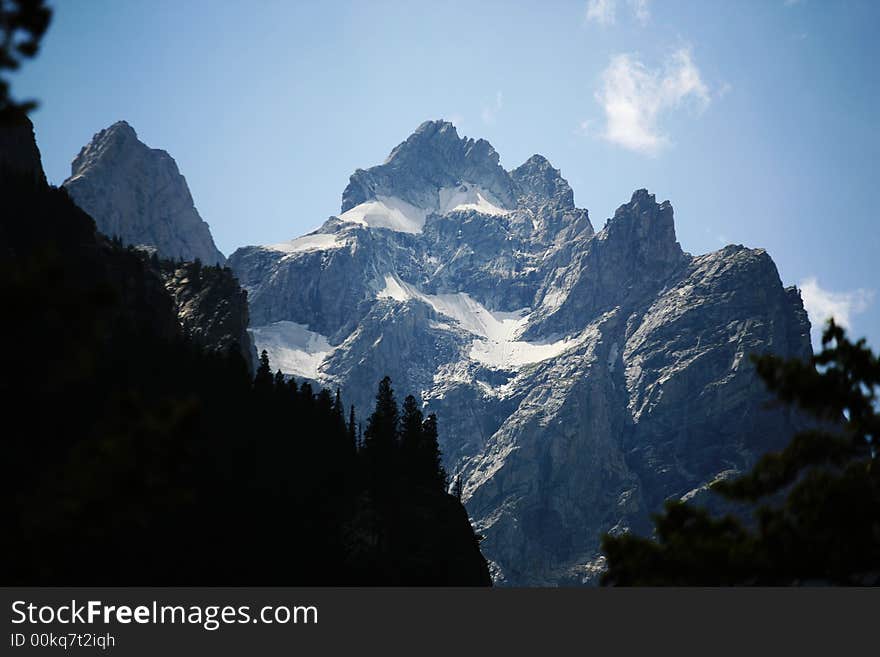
[[581, 378]]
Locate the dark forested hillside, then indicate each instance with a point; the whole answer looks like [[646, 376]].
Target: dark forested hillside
[[131, 455]]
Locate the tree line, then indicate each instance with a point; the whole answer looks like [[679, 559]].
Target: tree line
[[134, 456]]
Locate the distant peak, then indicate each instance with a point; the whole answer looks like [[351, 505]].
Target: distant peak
[[122, 124], [642, 196], [537, 160], [646, 225], [539, 181], [436, 135], [435, 126], [116, 138], [120, 128], [432, 158]]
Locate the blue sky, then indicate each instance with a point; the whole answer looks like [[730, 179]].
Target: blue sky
[[758, 120]]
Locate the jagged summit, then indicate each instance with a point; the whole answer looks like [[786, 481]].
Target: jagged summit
[[432, 168], [138, 194], [538, 182], [436, 172], [580, 378]]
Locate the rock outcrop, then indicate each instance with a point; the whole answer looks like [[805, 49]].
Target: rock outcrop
[[211, 307], [580, 378], [136, 193]]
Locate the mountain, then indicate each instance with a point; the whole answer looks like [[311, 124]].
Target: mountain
[[136, 193], [141, 428], [580, 378]]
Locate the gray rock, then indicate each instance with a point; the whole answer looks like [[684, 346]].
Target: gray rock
[[580, 378], [136, 193], [211, 308], [432, 157]]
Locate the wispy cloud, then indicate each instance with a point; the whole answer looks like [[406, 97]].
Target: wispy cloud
[[604, 12], [491, 111], [822, 304], [634, 97]]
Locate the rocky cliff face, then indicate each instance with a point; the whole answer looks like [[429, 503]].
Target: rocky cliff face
[[580, 378], [136, 193], [211, 307]]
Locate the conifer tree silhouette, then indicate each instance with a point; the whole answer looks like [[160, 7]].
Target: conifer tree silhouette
[[263, 380], [352, 430], [380, 437], [430, 458], [411, 433], [457, 488]]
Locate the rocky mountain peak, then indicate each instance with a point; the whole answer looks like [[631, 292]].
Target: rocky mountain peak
[[433, 159], [106, 143], [537, 181], [647, 227], [138, 194], [581, 378]]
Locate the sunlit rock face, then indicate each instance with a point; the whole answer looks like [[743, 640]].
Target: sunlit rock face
[[136, 193], [580, 378]]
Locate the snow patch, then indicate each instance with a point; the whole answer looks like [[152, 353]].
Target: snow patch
[[496, 344], [316, 242], [470, 314], [387, 212], [512, 354], [469, 197], [292, 347], [399, 215], [612, 357]]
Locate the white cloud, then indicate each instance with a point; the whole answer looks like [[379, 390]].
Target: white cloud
[[491, 111], [634, 98], [604, 12], [822, 304]]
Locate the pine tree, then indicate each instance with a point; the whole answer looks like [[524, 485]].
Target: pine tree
[[380, 438], [411, 432], [431, 460], [381, 431], [339, 414], [457, 488], [819, 517], [263, 380], [352, 430]]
